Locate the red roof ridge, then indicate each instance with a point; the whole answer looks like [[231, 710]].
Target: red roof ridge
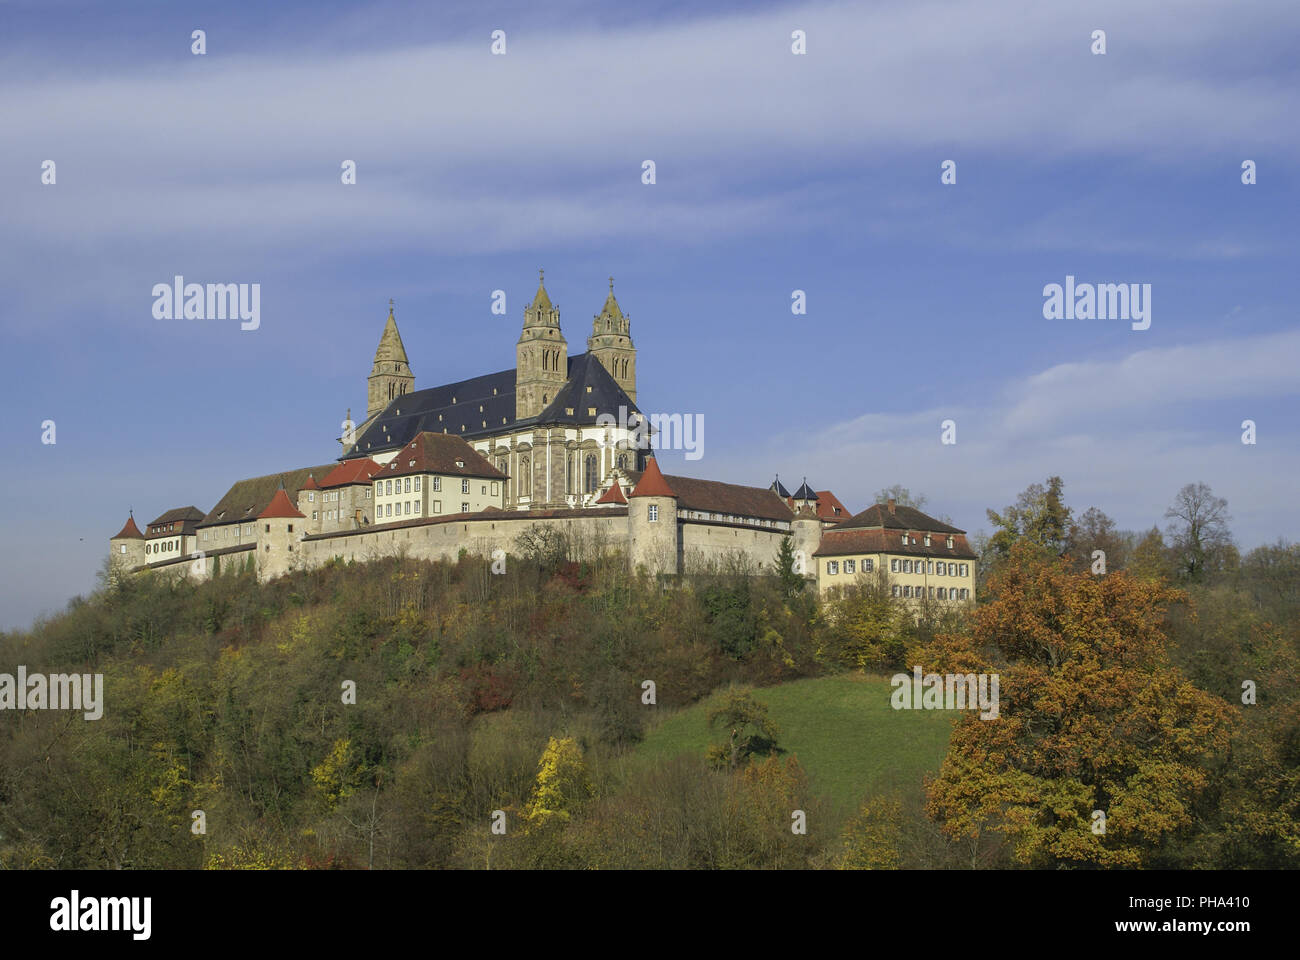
[[613, 495], [652, 482], [280, 507]]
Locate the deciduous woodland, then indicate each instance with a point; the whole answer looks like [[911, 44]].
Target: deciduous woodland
[[502, 721]]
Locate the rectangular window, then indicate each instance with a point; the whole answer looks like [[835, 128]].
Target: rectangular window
[[291, 528], [464, 486], [907, 566], [941, 569], [952, 569], [408, 507], [931, 593], [652, 513], [205, 534], [388, 510], [965, 570], [832, 566], [895, 590], [893, 564], [313, 514], [907, 591], [408, 485], [850, 566], [495, 491], [437, 506], [484, 490], [417, 484], [437, 484], [464, 508], [417, 508], [268, 528], [929, 566], [868, 565]]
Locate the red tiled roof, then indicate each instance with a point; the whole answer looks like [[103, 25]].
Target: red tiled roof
[[440, 453], [280, 507], [827, 503], [129, 531], [351, 471], [652, 482], [839, 542], [613, 495], [714, 496], [310, 483]]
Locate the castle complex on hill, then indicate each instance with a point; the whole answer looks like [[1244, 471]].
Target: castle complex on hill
[[555, 442]]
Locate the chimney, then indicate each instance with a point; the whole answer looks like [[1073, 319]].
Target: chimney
[[891, 505]]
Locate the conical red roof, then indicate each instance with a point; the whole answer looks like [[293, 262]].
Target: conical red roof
[[280, 507], [129, 531], [652, 482], [613, 495], [311, 483]]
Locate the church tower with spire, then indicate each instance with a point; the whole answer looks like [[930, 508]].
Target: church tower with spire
[[611, 343], [391, 375], [541, 355]]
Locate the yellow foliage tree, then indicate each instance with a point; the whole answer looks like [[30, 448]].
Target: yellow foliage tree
[[871, 837], [562, 785]]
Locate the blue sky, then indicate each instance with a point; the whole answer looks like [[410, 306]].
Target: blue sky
[[775, 172]]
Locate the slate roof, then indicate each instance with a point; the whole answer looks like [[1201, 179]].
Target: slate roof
[[432, 409], [838, 542], [186, 519], [440, 453], [902, 518], [248, 498], [178, 514], [779, 489], [805, 492]]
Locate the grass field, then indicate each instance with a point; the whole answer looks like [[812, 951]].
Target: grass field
[[847, 737]]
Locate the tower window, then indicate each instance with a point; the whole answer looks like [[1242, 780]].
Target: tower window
[[652, 513]]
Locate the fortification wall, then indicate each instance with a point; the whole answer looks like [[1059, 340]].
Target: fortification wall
[[705, 543]]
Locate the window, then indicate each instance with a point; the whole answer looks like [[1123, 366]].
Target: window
[[311, 496], [313, 514], [927, 539], [379, 488], [952, 569], [895, 590], [943, 593], [589, 473], [495, 491], [868, 565], [893, 564], [408, 507], [388, 510], [437, 484], [965, 570], [907, 566], [121, 548], [291, 528], [464, 485], [437, 506], [417, 508], [832, 566], [652, 513], [929, 566], [931, 593], [941, 569], [417, 484], [907, 591], [388, 487], [268, 528], [964, 593], [408, 485], [367, 493], [850, 566], [464, 508]]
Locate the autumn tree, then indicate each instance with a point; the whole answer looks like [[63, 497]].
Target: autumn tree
[[1093, 530], [750, 731], [562, 785], [872, 837], [1093, 721]]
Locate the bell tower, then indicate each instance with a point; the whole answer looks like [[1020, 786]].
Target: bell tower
[[541, 355], [391, 375], [611, 343]]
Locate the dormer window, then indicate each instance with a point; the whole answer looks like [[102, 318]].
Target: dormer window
[[927, 539], [460, 463], [410, 463], [950, 543]]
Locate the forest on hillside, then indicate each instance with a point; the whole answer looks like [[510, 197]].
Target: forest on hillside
[[411, 714]]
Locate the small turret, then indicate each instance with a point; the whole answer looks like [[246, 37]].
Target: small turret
[[126, 548], [653, 537], [280, 528]]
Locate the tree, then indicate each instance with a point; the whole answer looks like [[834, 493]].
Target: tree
[[792, 582], [1094, 720], [864, 625], [562, 785], [1093, 531], [1039, 516], [1199, 535], [1150, 557], [872, 838], [902, 497], [751, 732]]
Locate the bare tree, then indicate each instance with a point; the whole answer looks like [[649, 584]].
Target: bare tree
[[1199, 536]]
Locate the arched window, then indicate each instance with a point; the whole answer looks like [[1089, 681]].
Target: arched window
[[590, 472], [524, 485], [622, 461]]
